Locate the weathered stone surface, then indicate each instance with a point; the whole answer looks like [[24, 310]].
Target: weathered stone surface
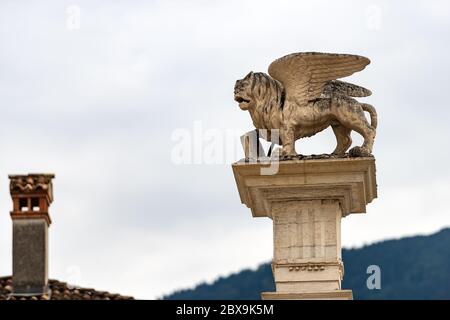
[[302, 97], [307, 246]]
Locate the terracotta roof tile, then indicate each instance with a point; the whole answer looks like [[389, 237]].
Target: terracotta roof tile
[[59, 291]]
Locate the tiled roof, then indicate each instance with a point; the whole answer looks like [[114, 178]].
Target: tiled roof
[[59, 291]]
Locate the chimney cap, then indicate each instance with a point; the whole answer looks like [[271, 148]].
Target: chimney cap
[[32, 183]]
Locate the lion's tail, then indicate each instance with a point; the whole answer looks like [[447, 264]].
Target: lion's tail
[[373, 114]]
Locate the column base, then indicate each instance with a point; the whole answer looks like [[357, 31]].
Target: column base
[[325, 295]]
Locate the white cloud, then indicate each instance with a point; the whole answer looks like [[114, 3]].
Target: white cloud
[[98, 105]]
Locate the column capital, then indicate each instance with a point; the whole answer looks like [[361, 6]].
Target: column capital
[[351, 181]]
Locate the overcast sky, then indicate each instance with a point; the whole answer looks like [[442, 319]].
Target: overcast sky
[[95, 92]]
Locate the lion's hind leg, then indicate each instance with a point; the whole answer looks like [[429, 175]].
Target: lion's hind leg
[[361, 126], [350, 113], [343, 139]]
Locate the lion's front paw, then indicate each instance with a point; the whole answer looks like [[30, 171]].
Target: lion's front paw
[[356, 152], [288, 153], [276, 154]]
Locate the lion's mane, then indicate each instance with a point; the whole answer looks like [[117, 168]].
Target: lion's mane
[[267, 92]]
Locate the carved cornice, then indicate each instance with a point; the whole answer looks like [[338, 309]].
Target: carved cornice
[[350, 181]]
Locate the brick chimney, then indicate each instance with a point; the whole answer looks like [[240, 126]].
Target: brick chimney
[[32, 195]]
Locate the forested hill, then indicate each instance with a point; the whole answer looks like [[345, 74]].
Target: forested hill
[[411, 268]]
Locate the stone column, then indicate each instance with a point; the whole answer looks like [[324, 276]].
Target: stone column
[[306, 200], [32, 195]]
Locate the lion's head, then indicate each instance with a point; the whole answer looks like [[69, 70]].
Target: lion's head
[[258, 90]]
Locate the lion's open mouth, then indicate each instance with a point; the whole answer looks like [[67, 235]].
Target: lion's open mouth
[[244, 103], [240, 99]]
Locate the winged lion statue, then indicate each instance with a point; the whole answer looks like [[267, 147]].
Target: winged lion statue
[[301, 96]]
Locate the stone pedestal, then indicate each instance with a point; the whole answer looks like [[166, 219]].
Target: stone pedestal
[[306, 199]]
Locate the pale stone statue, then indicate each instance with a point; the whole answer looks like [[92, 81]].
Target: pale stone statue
[[302, 97]]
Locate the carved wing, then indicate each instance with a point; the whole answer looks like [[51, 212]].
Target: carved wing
[[305, 74], [345, 88]]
